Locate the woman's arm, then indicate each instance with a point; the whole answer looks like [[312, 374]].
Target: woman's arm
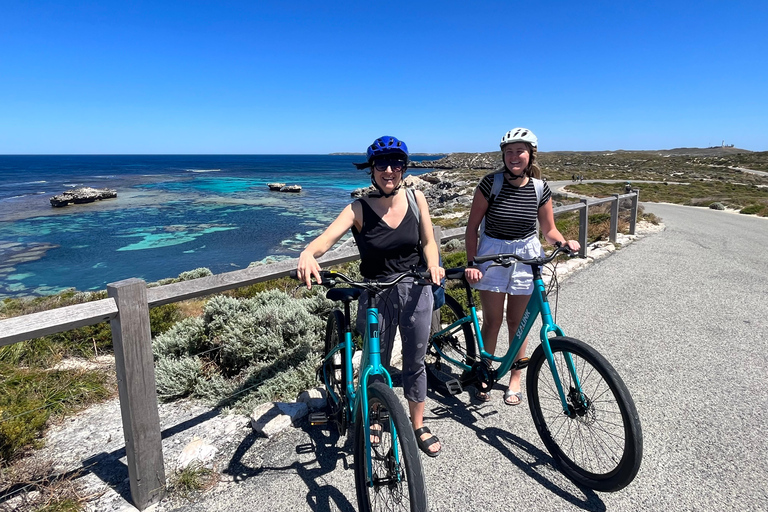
[[428, 242], [549, 229], [308, 265], [476, 213]]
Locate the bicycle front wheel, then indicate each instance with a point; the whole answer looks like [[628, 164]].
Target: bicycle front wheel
[[599, 443], [458, 345], [397, 479]]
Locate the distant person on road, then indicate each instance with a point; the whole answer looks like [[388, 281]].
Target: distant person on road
[[627, 187], [391, 240], [510, 227]]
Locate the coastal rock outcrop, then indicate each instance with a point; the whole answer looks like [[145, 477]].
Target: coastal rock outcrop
[[282, 187], [82, 195], [490, 160]]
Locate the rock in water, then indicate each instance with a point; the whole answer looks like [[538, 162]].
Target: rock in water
[[82, 195]]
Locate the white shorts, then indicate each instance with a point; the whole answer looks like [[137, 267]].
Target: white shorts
[[516, 279]]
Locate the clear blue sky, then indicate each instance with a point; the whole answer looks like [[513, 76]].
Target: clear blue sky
[[317, 77]]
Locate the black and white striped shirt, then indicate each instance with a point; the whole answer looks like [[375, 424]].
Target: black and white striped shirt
[[513, 213]]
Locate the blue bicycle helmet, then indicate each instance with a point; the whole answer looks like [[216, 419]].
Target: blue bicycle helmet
[[382, 146]]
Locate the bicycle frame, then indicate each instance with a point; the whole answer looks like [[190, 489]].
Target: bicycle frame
[[538, 305], [370, 366]]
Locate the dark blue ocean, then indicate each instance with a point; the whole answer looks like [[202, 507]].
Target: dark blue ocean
[[173, 213]]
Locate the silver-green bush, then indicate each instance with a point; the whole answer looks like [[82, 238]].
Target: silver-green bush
[[243, 350]]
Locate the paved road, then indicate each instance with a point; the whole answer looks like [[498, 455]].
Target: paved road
[[682, 315]]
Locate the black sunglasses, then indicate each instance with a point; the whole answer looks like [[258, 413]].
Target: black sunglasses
[[396, 165]]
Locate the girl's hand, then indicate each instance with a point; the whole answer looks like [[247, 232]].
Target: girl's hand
[[473, 274], [573, 245], [307, 268]]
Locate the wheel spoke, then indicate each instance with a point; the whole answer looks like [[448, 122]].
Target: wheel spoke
[[599, 443]]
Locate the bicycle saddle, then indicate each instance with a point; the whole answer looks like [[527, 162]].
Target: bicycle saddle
[[343, 294]]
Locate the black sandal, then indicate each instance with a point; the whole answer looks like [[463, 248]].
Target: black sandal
[[424, 444]]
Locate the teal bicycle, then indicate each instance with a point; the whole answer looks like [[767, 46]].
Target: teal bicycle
[[388, 471], [581, 408]]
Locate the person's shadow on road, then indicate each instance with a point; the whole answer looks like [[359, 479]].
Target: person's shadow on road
[[532, 461]]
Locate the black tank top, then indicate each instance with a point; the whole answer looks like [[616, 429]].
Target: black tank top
[[385, 251]]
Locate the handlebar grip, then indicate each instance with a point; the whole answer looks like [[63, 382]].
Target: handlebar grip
[[293, 274]]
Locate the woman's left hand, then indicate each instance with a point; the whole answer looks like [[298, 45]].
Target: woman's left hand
[[436, 274]]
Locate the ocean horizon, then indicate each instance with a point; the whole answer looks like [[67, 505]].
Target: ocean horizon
[[173, 213]]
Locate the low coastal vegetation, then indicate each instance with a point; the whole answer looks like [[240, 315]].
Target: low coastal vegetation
[[263, 342]]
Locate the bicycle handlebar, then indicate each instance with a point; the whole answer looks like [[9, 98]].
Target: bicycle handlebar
[[505, 259], [330, 278]]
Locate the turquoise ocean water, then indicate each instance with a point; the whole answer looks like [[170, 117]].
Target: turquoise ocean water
[[173, 213]]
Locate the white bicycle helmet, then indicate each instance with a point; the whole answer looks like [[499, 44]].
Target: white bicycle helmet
[[519, 135]]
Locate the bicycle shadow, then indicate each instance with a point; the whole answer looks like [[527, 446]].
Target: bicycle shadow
[[531, 460], [321, 496]]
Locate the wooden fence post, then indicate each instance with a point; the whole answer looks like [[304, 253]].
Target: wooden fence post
[[633, 212], [135, 367], [583, 224], [614, 219]]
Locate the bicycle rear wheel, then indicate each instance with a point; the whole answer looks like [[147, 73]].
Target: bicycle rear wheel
[[397, 482], [458, 345], [335, 370], [600, 443]]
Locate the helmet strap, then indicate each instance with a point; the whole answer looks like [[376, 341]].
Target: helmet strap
[[514, 176], [381, 192]]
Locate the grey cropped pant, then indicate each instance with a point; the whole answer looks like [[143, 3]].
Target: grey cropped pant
[[407, 307]]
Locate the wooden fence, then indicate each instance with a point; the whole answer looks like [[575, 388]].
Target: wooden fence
[[127, 309]]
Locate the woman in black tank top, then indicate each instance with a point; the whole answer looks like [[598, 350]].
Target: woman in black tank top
[[391, 240]]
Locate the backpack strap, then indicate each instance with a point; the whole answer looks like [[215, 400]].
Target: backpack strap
[[538, 185], [410, 195], [498, 181]]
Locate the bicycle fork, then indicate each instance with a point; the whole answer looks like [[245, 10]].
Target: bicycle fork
[[372, 360], [548, 325]]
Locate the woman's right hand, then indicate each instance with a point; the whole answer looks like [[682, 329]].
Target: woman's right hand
[[473, 274], [307, 268]]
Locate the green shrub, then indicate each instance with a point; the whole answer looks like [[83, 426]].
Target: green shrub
[[267, 344], [755, 209]]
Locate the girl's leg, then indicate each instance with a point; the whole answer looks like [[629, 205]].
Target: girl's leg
[[515, 308], [493, 314]]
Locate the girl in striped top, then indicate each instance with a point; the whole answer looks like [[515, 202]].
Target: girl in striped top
[[509, 227]]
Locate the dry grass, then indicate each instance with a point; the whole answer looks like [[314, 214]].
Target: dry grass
[[35, 486]]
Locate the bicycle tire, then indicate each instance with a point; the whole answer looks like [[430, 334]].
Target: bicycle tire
[[335, 370], [601, 445], [389, 492], [460, 346]]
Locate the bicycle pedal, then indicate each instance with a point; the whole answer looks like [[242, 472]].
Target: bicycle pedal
[[454, 387], [318, 418], [521, 363]]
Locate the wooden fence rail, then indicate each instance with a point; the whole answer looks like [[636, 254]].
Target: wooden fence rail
[[127, 309]]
